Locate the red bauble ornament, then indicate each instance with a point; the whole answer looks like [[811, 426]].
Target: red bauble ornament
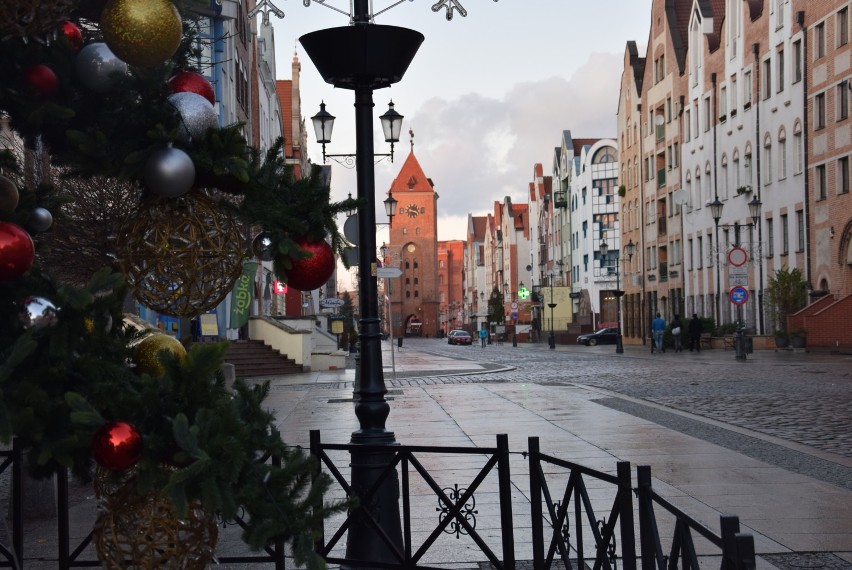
[[73, 34], [117, 446], [16, 251], [191, 82], [312, 272], [41, 78]]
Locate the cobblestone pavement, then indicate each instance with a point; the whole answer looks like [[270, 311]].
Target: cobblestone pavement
[[798, 397]]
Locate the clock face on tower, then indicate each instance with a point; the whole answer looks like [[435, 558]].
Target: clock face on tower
[[412, 210]]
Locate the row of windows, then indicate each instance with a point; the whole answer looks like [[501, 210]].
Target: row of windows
[[841, 104], [842, 181]]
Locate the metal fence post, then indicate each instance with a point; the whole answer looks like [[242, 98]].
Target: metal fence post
[[646, 518], [63, 527], [730, 526], [17, 501], [505, 483], [745, 551], [316, 450], [535, 502], [625, 515]]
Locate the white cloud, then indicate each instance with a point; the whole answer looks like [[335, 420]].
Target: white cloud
[[478, 148]]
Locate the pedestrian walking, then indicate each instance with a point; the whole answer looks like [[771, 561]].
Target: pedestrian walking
[[695, 330], [677, 330], [658, 327], [483, 335]]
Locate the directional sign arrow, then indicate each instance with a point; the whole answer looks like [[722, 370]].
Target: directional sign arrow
[[388, 272]]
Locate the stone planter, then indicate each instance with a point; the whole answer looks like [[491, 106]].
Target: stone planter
[[781, 341], [798, 341]]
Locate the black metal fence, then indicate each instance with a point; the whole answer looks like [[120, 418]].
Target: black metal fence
[[578, 517]]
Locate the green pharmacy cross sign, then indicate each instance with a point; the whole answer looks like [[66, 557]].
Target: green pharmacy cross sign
[[523, 293]]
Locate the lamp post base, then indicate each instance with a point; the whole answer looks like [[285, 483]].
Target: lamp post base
[[619, 346]]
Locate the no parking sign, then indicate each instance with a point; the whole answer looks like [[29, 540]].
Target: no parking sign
[[738, 295]]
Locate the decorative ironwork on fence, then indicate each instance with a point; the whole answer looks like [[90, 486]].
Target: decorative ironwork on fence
[[566, 507]]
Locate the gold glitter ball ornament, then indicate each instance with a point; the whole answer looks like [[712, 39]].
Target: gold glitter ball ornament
[[142, 32], [146, 355], [181, 255]]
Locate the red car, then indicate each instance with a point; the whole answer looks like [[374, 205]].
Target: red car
[[459, 337]]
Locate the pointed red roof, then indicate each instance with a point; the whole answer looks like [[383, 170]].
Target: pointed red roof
[[411, 177]]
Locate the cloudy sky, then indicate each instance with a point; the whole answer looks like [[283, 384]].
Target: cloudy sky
[[487, 95]]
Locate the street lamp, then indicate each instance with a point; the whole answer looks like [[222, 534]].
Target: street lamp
[[551, 339], [716, 211], [754, 208], [324, 125], [363, 57]]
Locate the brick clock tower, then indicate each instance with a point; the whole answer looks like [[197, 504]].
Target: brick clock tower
[[414, 242]]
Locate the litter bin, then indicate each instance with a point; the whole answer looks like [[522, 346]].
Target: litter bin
[[748, 344], [399, 342]]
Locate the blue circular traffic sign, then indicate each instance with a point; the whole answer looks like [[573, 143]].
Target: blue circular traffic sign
[[738, 295]]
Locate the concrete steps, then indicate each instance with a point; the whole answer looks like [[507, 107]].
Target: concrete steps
[[253, 358]]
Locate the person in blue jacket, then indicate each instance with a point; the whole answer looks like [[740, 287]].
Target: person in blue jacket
[[658, 327]]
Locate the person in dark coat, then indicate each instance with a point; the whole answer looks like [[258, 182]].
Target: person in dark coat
[[695, 330], [677, 331]]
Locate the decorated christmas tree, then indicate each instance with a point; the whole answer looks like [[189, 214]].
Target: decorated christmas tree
[[124, 183]]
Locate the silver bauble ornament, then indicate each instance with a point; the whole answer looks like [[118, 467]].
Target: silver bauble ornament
[[37, 313], [8, 197], [196, 113], [169, 172], [96, 64], [40, 220], [262, 247]]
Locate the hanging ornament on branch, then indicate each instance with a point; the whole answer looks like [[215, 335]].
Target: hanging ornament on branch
[[190, 82], [312, 272], [40, 220], [181, 255], [37, 313], [96, 64], [16, 251], [117, 446], [146, 355], [197, 115], [169, 172], [9, 197], [142, 32]]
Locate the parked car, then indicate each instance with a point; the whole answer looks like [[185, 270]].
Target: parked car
[[603, 336], [459, 337]]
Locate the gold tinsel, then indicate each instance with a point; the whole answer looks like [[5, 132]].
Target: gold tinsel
[[145, 530], [181, 255], [28, 18]]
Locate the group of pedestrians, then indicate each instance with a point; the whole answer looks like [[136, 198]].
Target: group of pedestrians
[[658, 328]]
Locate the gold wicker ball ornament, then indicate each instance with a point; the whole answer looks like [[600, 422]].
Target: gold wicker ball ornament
[[146, 355], [145, 530], [181, 255], [142, 32]]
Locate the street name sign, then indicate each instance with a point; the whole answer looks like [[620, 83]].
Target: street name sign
[[737, 276], [332, 302], [388, 272]]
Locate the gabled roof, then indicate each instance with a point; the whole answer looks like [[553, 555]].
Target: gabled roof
[[677, 14], [479, 224], [580, 144], [637, 65], [411, 177]]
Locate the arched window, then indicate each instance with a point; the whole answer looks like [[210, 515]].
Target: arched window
[[782, 153], [798, 142], [604, 155], [736, 168], [767, 160], [725, 178]]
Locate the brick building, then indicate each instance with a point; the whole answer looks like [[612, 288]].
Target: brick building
[[415, 300]]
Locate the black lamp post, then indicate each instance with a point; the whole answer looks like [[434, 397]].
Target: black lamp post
[[363, 57], [551, 339], [716, 211], [628, 250]]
